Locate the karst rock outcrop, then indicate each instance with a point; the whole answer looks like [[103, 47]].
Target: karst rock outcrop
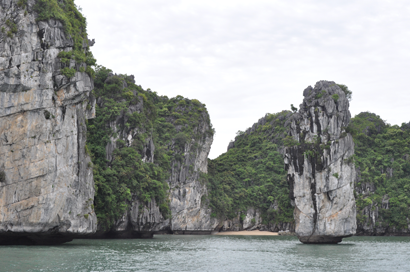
[[188, 212], [46, 184], [318, 158], [170, 140]]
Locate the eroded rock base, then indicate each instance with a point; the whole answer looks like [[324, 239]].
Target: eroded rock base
[[22, 239], [122, 235], [192, 232], [322, 239]]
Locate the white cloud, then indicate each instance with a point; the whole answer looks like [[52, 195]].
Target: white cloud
[[246, 58]]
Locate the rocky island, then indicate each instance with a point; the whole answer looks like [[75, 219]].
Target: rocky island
[[318, 159], [150, 157]]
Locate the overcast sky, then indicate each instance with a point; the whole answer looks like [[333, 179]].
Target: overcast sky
[[244, 59]]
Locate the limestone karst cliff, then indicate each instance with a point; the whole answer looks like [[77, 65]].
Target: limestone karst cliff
[[319, 161], [46, 186], [150, 154]]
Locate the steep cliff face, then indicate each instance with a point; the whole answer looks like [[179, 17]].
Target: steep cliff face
[[189, 211], [319, 164], [46, 186], [150, 155], [247, 184], [382, 175]]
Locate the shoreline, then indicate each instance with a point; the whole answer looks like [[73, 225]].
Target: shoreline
[[247, 233]]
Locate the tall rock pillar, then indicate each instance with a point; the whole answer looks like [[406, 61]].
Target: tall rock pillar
[[318, 158]]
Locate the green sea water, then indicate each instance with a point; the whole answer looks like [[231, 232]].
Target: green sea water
[[211, 253]]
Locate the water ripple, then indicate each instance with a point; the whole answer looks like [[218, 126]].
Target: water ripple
[[211, 253]]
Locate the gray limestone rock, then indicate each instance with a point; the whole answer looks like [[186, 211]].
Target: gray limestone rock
[[286, 233], [320, 172], [232, 224], [231, 145], [189, 213], [46, 184], [252, 219]]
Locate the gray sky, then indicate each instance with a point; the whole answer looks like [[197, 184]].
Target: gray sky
[[244, 59]]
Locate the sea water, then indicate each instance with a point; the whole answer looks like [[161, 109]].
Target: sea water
[[211, 253]]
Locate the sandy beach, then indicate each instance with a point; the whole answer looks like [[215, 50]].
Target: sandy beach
[[245, 232]]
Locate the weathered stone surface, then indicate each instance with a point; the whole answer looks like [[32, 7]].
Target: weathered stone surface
[[189, 215], [48, 189], [286, 233], [234, 224], [320, 171], [252, 221], [140, 221], [187, 192], [231, 145]]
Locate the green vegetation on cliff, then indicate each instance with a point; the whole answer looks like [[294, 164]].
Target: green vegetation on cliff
[[125, 174], [124, 110], [75, 27], [251, 174], [382, 158]]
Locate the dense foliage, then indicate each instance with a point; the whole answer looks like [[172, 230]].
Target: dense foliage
[[252, 175], [382, 156], [75, 26], [170, 123]]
